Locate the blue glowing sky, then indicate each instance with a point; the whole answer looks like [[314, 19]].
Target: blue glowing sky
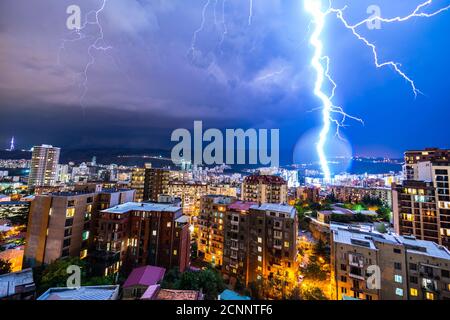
[[148, 84]]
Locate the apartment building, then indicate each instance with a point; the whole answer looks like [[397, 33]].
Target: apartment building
[[414, 157], [421, 207], [372, 266], [210, 224], [273, 244], [191, 193], [156, 182], [138, 183], [44, 166], [60, 224], [264, 189], [136, 234], [357, 194], [236, 251]]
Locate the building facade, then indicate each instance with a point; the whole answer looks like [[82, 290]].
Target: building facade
[[60, 224], [264, 189], [210, 224], [156, 182], [137, 183], [44, 166], [372, 266], [136, 234], [421, 207]]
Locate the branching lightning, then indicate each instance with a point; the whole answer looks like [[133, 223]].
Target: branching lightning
[[91, 18], [321, 64]]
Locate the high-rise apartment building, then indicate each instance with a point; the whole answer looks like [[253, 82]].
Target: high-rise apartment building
[[138, 183], [156, 182], [260, 244], [273, 244], [372, 266], [60, 224], [264, 189], [414, 157], [421, 205], [210, 224], [137, 234], [44, 166]]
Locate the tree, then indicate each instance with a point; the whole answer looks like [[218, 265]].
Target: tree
[[194, 248], [312, 293], [209, 281], [5, 266], [384, 213]]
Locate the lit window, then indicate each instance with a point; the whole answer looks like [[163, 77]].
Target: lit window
[[429, 296], [154, 233], [85, 235], [286, 244], [413, 292], [398, 278], [169, 224], [259, 240], [399, 292], [259, 249], [175, 252], [259, 258], [83, 254], [70, 212]]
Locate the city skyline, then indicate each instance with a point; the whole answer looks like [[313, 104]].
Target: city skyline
[[148, 85]]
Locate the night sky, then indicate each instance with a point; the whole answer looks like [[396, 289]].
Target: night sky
[[259, 76]]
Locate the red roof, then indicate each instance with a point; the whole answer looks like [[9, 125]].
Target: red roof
[[264, 179], [145, 276], [241, 205]]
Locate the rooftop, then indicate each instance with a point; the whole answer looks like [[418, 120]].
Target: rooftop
[[265, 179], [360, 236], [231, 295], [15, 281], [241, 205], [277, 208], [82, 293], [141, 206], [156, 293], [147, 276]]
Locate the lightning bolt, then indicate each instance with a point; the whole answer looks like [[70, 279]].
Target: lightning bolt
[[96, 45], [314, 8], [250, 14], [192, 49]]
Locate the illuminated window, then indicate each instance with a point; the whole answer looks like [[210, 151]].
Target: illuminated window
[[70, 212], [175, 252], [413, 292], [169, 224], [85, 235], [259, 249], [154, 233], [399, 292], [259, 258], [286, 244], [398, 278], [83, 254], [429, 296], [259, 240]]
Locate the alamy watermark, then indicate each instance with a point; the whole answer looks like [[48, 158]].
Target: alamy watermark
[[374, 23], [74, 280], [73, 21], [237, 147]]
